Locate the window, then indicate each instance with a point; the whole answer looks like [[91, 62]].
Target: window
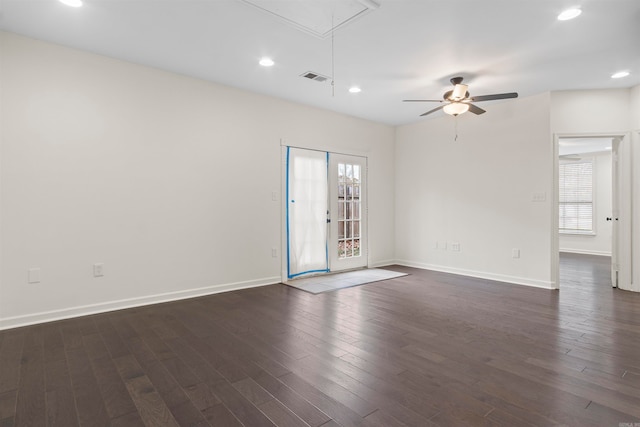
[[576, 197], [349, 210]]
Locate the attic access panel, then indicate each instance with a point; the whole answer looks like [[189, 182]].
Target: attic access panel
[[317, 17]]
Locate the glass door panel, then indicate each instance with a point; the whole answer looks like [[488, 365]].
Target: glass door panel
[[347, 242]]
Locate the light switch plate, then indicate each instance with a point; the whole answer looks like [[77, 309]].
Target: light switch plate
[[33, 275], [98, 270]]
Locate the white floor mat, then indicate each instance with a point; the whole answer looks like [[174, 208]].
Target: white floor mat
[[335, 281]]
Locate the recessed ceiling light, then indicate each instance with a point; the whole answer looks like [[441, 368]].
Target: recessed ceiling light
[[266, 62], [619, 74], [72, 3], [355, 89], [569, 14]]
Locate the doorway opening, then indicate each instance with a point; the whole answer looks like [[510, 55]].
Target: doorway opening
[[592, 206]]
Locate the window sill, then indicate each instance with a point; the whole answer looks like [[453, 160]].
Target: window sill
[[578, 233]]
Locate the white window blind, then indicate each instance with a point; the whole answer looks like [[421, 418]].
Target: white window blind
[[576, 197]]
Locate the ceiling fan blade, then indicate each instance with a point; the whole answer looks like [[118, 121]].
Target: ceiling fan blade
[[433, 111], [494, 96], [422, 100], [475, 109]]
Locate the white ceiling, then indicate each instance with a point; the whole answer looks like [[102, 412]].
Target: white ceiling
[[403, 49]]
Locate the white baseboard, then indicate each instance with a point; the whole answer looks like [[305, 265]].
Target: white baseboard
[[382, 263], [480, 274], [586, 252], [50, 316]]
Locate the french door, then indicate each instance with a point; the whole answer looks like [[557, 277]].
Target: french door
[[325, 205], [347, 185]]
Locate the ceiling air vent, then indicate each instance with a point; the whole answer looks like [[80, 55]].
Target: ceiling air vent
[[314, 76]]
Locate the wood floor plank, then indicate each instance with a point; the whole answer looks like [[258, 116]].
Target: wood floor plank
[[53, 343], [386, 392], [334, 409], [176, 398], [219, 415], [301, 407], [94, 346], [90, 406], [112, 340], [71, 335], [381, 419], [114, 392], [151, 407], [8, 406], [280, 415], [31, 406], [180, 371], [427, 349], [129, 420], [202, 396], [10, 354], [241, 408], [61, 408], [252, 391], [186, 414]]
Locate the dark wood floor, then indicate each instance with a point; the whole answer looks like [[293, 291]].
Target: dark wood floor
[[425, 349]]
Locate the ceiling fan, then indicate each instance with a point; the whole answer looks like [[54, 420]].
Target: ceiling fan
[[458, 101]]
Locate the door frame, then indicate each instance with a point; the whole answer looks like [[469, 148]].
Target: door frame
[[624, 251], [283, 199]]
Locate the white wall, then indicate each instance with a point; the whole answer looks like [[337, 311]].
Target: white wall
[[590, 111], [614, 111], [165, 179], [634, 111], [478, 192], [600, 242]]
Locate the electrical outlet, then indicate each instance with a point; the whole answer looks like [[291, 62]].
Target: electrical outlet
[[274, 196], [98, 270], [539, 197], [33, 275], [515, 253], [274, 252], [455, 247]]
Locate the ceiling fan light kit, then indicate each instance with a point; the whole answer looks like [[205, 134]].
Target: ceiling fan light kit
[[72, 3], [456, 108], [458, 101], [266, 62], [569, 14]]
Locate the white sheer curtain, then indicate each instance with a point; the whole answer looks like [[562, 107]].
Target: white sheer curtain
[[306, 211]]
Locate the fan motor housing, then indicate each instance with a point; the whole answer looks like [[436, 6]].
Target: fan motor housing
[[447, 95]]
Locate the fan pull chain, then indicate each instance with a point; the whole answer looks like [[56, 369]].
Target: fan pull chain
[[455, 127], [333, 68]]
